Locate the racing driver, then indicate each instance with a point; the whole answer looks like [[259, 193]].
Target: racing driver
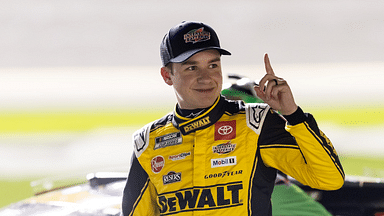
[[213, 156]]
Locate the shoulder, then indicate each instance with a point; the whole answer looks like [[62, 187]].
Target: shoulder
[[256, 114], [233, 107], [141, 136]]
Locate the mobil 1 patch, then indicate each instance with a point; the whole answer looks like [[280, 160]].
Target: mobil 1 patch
[[168, 140], [222, 162]]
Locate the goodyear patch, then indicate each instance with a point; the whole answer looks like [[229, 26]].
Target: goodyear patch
[[223, 174], [168, 140]]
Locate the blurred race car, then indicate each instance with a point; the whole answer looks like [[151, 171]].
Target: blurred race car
[[101, 193]]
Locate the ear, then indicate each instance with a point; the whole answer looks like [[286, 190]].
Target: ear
[[166, 74]]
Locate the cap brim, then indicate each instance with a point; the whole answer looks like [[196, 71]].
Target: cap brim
[[186, 55]]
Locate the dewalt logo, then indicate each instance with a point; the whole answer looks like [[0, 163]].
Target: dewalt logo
[[196, 124], [199, 198]]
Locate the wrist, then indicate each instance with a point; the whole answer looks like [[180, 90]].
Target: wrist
[[289, 111], [296, 117]]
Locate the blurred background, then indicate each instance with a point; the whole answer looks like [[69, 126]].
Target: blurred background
[[78, 77]]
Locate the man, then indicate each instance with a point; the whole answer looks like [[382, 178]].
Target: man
[[287, 198], [219, 157]]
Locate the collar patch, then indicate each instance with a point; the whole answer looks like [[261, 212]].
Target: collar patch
[[196, 124]]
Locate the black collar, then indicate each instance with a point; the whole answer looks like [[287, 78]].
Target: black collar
[[204, 120]]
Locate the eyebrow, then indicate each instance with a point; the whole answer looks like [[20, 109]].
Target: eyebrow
[[189, 62]]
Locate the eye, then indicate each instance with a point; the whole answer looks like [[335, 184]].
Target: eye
[[191, 68], [213, 66]]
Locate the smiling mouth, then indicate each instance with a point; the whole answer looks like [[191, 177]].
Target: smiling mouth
[[205, 90]]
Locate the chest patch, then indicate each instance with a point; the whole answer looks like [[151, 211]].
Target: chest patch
[[157, 164], [168, 140], [171, 177], [222, 162], [179, 156], [225, 130], [224, 148]]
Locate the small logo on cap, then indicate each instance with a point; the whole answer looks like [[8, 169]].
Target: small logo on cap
[[197, 35]]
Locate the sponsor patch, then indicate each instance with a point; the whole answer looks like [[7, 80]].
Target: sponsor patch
[[225, 130], [222, 162], [157, 164], [223, 174], [197, 35], [224, 148], [179, 156], [196, 124], [168, 140], [171, 177], [227, 195]]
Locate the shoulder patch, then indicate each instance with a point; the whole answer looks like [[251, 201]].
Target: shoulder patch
[[141, 137], [140, 140], [256, 113]]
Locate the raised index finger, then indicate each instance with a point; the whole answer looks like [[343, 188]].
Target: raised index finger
[[267, 64]]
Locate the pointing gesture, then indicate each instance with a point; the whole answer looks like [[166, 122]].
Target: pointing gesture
[[275, 91]]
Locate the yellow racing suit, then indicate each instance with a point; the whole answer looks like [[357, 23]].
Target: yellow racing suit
[[224, 161]]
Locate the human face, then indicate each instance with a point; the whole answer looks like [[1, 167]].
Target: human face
[[197, 82]]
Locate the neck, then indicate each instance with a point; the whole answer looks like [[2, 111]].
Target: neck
[[189, 113]]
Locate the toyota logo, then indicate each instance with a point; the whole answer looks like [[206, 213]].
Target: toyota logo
[[225, 130]]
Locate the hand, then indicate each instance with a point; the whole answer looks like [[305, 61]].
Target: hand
[[276, 93]]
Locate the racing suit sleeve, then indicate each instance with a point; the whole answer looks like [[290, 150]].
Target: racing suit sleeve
[[296, 146], [139, 195]]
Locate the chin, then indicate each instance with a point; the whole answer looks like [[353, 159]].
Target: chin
[[207, 102]]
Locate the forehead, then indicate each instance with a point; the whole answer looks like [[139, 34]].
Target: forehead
[[206, 56]]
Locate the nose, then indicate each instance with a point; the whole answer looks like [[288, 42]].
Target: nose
[[203, 77]]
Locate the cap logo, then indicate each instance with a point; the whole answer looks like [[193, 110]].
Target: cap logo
[[197, 35]]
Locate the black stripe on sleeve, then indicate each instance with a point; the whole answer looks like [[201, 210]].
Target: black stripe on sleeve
[[326, 144], [135, 187], [261, 188]]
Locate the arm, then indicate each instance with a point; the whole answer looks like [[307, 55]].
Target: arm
[[295, 146], [300, 150], [139, 196]]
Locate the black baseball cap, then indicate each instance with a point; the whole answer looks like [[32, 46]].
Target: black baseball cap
[[186, 39]]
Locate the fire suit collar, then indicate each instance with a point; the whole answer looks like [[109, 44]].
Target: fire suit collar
[[204, 120]]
